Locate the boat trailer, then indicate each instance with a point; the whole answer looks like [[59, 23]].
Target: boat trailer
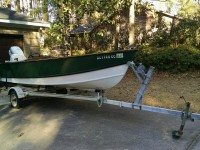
[[18, 94]]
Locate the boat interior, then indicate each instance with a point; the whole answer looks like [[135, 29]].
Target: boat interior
[[16, 55]]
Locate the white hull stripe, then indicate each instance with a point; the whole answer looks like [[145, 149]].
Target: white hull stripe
[[100, 79]]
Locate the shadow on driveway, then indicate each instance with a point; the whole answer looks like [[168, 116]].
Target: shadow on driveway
[[51, 123]]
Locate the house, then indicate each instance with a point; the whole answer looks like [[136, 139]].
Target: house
[[19, 30]]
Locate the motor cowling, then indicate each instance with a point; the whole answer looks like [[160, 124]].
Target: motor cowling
[[16, 54]]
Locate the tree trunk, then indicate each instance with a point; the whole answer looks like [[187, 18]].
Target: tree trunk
[[17, 5], [116, 36], [31, 8], [131, 24], [23, 8], [45, 10]]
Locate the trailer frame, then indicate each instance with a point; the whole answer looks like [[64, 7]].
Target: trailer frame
[[19, 93]]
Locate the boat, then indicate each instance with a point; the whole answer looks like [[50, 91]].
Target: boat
[[94, 71]]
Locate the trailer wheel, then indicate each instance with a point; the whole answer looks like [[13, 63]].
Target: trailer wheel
[[15, 102]]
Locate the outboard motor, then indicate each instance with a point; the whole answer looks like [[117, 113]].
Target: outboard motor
[[16, 54]]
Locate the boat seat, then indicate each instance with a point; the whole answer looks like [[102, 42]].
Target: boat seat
[[16, 54]]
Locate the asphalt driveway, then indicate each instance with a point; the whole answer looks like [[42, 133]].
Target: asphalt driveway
[[51, 123]]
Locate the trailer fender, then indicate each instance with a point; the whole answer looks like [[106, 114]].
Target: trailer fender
[[19, 91]]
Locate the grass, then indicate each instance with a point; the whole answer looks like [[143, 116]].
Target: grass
[[164, 90]]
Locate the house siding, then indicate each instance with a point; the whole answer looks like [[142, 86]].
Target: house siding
[[30, 39]]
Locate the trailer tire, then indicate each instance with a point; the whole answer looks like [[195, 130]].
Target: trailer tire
[[15, 102]]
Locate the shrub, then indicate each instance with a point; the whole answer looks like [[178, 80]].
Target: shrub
[[180, 59]]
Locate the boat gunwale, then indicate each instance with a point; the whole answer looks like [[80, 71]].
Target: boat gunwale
[[68, 57]]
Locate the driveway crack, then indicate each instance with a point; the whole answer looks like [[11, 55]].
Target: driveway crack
[[193, 142]]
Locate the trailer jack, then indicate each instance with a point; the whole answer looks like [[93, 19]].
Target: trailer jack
[[185, 115], [144, 79]]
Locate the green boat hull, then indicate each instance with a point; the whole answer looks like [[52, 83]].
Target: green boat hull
[[64, 66], [97, 71]]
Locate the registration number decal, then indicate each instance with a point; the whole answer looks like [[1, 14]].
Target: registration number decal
[[111, 56]]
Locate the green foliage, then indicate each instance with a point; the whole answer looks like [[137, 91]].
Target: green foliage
[[184, 8], [54, 35], [5, 3], [102, 12], [102, 39], [160, 38], [180, 59], [186, 32], [141, 7]]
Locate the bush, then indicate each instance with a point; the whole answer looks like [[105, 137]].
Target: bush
[[180, 59]]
